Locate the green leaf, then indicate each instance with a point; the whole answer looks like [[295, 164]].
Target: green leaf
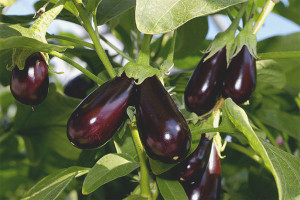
[[125, 144], [189, 43], [135, 197], [283, 166], [46, 125], [108, 168], [109, 9], [160, 16], [52, 186], [291, 12], [16, 19], [29, 43], [92, 5], [277, 55], [5, 60], [280, 43], [170, 189], [282, 121]]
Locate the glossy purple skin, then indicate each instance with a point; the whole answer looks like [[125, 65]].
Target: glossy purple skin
[[100, 114], [78, 87], [163, 130], [30, 85], [209, 187], [205, 84], [192, 168], [240, 78]]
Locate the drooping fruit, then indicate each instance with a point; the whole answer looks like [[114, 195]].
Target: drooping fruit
[[240, 80], [209, 187], [79, 86], [162, 128], [192, 168], [205, 84], [30, 85], [100, 114]]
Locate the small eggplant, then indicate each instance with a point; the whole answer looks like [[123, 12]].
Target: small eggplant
[[79, 86], [163, 130], [30, 85], [192, 168], [240, 78], [205, 84], [100, 114], [209, 187]]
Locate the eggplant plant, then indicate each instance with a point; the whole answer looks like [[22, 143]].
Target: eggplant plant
[[169, 114]]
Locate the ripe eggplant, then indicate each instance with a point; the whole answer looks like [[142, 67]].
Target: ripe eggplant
[[205, 84], [100, 114], [30, 85], [78, 87], [240, 80], [192, 168], [209, 187], [163, 130]]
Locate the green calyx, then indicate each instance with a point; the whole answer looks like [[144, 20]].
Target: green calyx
[[226, 38], [245, 37], [139, 71], [36, 31]]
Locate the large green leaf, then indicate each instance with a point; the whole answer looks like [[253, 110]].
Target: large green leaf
[[284, 166], [108, 168], [160, 16], [52, 186], [171, 189], [189, 42], [109, 9]]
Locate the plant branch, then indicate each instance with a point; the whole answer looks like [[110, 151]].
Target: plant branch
[[94, 36], [116, 49], [249, 152], [144, 54], [144, 182], [263, 15], [83, 70], [229, 14], [76, 41]]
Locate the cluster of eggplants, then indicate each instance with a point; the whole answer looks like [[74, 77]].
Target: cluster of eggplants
[[162, 128], [200, 172], [211, 78], [30, 85], [78, 86]]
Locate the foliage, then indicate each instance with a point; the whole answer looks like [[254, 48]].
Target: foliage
[[37, 161]]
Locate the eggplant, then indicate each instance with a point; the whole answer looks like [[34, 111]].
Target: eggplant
[[163, 130], [30, 85], [209, 186], [240, 79], [78, 86], [192, 168], [205, 85], [101, 113]]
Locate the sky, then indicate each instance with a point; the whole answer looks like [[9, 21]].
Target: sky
[[274, 25]]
